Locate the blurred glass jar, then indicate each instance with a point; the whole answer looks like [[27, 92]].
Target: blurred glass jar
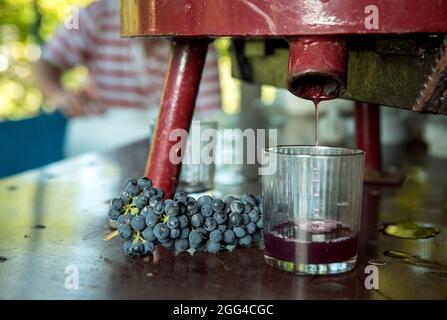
[[197, 173]]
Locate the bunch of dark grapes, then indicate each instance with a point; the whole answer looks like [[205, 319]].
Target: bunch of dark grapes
[[144, 220]]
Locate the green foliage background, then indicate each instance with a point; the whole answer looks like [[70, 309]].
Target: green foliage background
[[24, 25]]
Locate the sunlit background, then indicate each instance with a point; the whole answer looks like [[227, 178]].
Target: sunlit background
[[26, 24]]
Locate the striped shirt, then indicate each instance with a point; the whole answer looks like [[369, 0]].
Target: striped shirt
[[127, 72]]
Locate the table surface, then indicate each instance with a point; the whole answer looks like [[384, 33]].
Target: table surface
[[68, 200]]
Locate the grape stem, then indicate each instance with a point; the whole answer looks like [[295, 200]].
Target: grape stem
[[111, 235]]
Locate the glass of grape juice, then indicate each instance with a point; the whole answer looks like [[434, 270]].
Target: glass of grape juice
[[312, 208]]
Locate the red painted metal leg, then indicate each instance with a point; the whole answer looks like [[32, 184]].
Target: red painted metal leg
[[367, 127], [176, 110]]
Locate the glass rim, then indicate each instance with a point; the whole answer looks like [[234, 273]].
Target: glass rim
[[352, 151]]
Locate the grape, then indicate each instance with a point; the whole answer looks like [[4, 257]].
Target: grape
[[128, 247], [184, 232], [237, 206], [116, 203], [153, 201], [195, 238], [159, 193], [206, 211], [247, 208], [183, 221], [129, 180], [152, 220], [245, 241], [168, 203], [254, 215], [175, 233], [229, 200], [141, 201], [182, 207], [222, 227], [149, 192], [197, 220], [181, 244], [217, 205], [121, 219], [251, 228], [181, 197], [125, 232], [148, 235], [248, 198], [159, 208], [216, 236], [205, 200], [125, 197], [168, 243], [234, 242], [220, 217], [240, 231], [149, 247], [191, 205], [260, 223], [161, 231], [212, 247], [146, 211], [261, 209], [229, 236], [234, 219], [114, 214], [138, 223], [172, 208], [200, 247], [144, 182], [132, 189], [172, 223], [128, 218], [210, 224], [202, 231]]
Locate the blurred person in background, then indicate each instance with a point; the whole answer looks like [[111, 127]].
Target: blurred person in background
[[122, 95]]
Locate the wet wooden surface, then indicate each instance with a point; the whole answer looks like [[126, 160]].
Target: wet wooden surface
[[55, 217]]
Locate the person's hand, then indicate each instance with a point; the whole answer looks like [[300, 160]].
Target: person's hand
[[70, 103], [74, 104]]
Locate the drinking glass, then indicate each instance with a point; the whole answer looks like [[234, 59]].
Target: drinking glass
[[312, 208]]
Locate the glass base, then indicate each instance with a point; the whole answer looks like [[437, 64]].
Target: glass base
[[312, 269]]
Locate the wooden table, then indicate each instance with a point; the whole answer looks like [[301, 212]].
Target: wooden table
[[53, 220]]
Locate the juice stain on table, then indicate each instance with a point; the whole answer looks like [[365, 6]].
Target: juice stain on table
[[414, 259], [409, 230]]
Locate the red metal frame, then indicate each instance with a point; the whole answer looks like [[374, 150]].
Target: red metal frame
[[176, 110], [367, 129], [261, 18]]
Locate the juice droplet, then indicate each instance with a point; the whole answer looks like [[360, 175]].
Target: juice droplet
[[316, 103], [316, 92], [409, 230]]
